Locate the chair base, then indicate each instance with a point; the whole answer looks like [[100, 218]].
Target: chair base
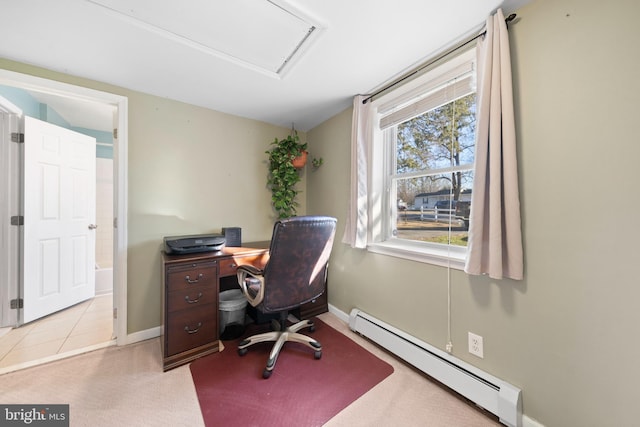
[[281, 336]]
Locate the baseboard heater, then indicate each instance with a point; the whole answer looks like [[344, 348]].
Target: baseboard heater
[[496, 396]]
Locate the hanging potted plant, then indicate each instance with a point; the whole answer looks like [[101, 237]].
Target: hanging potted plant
[[283, 175], [300, 160]]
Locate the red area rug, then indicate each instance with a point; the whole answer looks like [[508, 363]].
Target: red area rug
[[302, 391]]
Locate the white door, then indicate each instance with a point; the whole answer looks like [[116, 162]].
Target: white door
[[58, 263]]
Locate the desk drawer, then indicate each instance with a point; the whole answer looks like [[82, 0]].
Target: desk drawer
[[190, 275], [191, 298], [229, 266], [187, 329]]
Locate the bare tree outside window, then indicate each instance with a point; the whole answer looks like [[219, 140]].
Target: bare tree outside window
[[435, 152]]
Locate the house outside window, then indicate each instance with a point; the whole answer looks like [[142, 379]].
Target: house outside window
[[422, 165]]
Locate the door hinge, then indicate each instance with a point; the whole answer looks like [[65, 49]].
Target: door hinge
[[17, 220], [17, 137], [16, 303], [115, 133], [115, 222], [115, 313]]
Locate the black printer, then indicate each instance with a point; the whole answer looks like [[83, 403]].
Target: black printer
[[177, 245]]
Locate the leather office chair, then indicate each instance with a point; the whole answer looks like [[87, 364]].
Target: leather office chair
[[295, 274]]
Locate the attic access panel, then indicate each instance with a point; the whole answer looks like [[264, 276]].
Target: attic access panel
[[265, 35]]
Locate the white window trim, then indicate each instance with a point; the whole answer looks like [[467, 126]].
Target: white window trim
[[442, 255], [381, 201]]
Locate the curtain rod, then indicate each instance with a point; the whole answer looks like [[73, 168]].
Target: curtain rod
[[449, 52]]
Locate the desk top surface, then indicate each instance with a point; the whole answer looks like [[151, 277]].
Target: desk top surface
[[247, 249]]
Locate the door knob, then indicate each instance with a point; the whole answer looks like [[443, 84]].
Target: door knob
[[92, 226]]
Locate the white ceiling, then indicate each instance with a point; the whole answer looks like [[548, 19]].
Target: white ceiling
[[285, 62]]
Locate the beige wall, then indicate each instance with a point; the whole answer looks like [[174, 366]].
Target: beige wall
[[567, 334], [191, 170]]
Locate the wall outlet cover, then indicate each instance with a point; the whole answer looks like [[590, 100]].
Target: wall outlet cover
[[476, 346]]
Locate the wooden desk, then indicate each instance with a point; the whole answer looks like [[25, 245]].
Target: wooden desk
[[191, 286]]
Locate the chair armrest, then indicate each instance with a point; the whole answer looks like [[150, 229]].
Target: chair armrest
[[254, 271], [251, 283]]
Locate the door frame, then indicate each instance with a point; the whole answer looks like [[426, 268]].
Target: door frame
[[10, 160], [120, 177]]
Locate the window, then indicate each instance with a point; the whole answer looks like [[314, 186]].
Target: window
[[422, 164]]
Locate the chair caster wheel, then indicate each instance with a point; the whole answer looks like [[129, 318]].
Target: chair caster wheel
[[266, 374], [317, 355], [242, 351], [312, 328]]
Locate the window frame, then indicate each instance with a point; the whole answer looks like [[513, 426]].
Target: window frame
[[383, 209]]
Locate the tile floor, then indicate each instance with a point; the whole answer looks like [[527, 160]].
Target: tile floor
[[84, 326]]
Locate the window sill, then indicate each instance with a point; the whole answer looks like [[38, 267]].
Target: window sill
[[444, 256]]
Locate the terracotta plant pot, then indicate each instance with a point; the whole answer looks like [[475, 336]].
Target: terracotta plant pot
[[300, 161]]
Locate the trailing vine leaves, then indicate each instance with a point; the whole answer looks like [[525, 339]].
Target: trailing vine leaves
[[283, 176]]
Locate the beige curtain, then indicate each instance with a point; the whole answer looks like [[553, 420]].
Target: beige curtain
[[495, 240], [355, 232]]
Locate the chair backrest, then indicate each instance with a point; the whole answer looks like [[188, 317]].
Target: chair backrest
[[298, 257]]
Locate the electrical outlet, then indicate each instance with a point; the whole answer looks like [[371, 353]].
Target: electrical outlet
[[476, 346]]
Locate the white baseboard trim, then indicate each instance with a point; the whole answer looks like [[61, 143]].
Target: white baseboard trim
[[147, 334], [58, 356], [339, 313], [530, 422]]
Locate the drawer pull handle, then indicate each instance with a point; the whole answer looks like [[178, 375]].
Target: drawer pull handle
[[233, 265], [189, 280], [193, 301], [193, 331]]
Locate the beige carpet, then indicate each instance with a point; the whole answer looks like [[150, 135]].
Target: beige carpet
[[126, 386]]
